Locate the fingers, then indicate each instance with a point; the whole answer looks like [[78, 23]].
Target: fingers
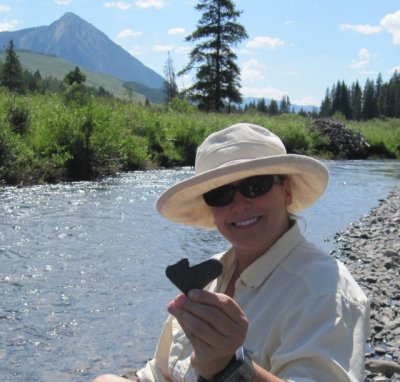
[[210, 316], [214, 324], [218, 300]]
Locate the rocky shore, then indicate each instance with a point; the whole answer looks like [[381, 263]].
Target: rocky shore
[[370, 248]]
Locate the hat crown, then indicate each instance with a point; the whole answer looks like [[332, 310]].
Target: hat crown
[[239, 143]]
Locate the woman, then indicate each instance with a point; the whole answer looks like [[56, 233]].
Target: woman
[[282, 310]]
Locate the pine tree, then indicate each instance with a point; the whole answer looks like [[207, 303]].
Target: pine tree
[[171, 89], [284, 106], [356, 101], [75, 76], [369, 104], [379, 95], [11, 75], [217, 74], [326, 105], [273, 108], [262, 106]]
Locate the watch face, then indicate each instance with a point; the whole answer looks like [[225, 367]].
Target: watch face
[[240, 369]]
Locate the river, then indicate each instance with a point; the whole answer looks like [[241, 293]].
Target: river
[[82, 282]]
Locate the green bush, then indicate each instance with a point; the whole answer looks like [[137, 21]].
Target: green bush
[[18, 115], [45, 139]]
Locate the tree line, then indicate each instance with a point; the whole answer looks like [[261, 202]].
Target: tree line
[[377, 99]]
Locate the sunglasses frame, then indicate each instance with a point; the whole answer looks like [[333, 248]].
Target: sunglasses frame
[[224, 195]]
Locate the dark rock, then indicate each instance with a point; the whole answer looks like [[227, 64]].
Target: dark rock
[[343, 142]]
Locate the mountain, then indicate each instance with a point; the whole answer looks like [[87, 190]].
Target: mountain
[[77, 41], [295, 108]]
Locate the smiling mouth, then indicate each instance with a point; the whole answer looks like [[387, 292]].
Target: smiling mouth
[[245, 223]]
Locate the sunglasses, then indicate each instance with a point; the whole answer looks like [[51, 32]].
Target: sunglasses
[[251, 187]]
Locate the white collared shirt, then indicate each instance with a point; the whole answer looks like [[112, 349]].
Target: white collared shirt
[[308, 319]]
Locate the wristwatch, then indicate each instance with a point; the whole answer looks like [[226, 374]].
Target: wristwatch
[[239, 369]]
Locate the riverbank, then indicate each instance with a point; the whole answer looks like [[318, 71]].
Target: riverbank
[[44, 139], [370, 248]]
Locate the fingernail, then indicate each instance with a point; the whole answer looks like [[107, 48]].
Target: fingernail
[[194, 294], [180, 299]]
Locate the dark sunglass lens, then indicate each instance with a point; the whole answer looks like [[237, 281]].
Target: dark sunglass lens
[[220, 196], [257, 186]]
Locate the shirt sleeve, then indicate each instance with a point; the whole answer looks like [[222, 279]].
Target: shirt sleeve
[[323, 341], [156, 370]]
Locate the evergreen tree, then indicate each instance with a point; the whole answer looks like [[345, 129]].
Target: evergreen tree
[[395, 88], [379, 96], [356, 101], [217, 74], [11, 75], [75, 76], [341, 99], [171, 89], [262, 106], [273, 107], [369, 104], [284, 106], [326, 105]]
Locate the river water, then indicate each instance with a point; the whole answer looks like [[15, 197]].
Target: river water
[[82, 285]]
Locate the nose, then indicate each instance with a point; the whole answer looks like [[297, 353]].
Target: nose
[[240, 202]]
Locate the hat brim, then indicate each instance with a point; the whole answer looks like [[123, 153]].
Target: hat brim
[[183, 203]]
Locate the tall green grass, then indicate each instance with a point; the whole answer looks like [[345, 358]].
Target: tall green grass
[[49, 138], [383, 134]]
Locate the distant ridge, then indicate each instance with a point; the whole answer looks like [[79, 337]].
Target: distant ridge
[[78, 41]]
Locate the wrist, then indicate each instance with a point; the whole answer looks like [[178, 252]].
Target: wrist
[[240, 368]]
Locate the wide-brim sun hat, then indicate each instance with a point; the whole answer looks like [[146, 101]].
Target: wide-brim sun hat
[[237, 152]]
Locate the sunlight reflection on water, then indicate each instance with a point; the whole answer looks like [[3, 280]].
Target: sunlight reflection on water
[[82, 281]]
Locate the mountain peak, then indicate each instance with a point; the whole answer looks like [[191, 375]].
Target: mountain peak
[[74, 39]]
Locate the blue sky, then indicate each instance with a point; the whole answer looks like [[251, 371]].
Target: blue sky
[[295, 48]]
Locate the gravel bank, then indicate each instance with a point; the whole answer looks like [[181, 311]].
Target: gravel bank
[[370, 248]]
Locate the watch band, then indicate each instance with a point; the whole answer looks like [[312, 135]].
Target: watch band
[[239, 369]]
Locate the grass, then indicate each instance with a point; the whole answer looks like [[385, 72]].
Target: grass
[[50, 138], [383, 134]]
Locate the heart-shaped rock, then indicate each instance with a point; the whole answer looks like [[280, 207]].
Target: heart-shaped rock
[[198, 276]]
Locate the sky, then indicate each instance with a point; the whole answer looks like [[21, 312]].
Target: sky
[[295, 48]]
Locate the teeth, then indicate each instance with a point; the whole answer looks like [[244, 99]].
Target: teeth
[[245, 223]]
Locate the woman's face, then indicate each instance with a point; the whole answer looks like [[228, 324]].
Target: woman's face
[[252, 225]]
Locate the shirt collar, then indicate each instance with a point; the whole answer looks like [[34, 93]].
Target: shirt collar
[[253, 276]]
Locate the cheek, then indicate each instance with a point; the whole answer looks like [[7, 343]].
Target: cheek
[[217, 217]]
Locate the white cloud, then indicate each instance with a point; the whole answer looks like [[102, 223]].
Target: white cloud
[[5, 8], [128, 33], [121, 5], [8, 25], [265, 42], [144, 4], [267, 92], [176, 31], [391, 23], [394, 69], [361, 28], [363, 60], [163, 48], [252, 71], [62, 2]]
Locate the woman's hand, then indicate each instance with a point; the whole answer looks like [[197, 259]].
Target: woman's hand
[[214, 324]]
